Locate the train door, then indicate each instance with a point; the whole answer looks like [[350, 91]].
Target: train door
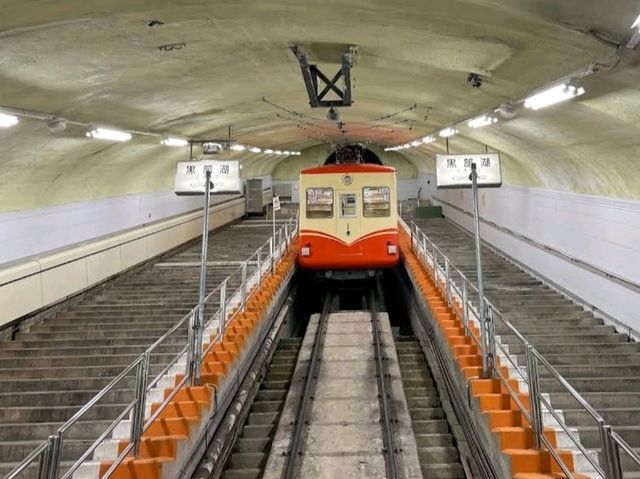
[[348, 219]]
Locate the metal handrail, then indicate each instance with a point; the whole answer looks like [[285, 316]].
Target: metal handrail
[[611, 442], [49, 452], [635, 287]]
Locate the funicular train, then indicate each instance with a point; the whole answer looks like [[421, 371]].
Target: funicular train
[[348, 214]]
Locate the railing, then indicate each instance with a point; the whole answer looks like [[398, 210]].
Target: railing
[[187, 332], [462, 295]]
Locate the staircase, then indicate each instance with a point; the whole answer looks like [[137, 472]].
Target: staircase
[[601, 364], [437, 452], [51, 371], [251, 450]]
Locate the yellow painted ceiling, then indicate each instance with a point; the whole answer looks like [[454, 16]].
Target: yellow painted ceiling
[[100, 62]]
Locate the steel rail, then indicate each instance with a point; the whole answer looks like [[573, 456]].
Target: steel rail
[[382, 376], [308, 389]]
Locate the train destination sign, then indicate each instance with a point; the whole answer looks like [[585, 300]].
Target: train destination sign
[[454, 171], [191, 177]]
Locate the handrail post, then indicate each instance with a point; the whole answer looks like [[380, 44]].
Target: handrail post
[[447, 279], [259, 254], [606, 445], [243, 293], [614, 455], [223, 307], [56, 455], [434, 256], [137, 421], [491, 338], [534, 397], [191, 340], [44, 463], [271, 252], [465, 307]]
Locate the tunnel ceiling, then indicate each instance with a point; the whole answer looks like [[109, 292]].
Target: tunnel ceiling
[[193, 68]]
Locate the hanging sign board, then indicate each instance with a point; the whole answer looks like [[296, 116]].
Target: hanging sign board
[[454, 171], [191, 177], [276, 203]]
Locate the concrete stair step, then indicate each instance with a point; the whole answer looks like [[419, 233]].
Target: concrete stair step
[[438, 455], [258, 444], [258, 430], [423, 401], [61, 384], [39, 414], [97, 342], [267, 406], [15, 451], [69, 361], [103, 334], [609, 385], [597, 400], [426, 413], [242, 474], [594, 358], [516, 347], [85, 351], [612, 416], [262, 418], [248, 460], [434, 440], [68, 372], [443, 471], [430, 426], [63, 398], [89, 430], [271, 395]]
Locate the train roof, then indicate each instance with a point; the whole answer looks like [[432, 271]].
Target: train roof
[[348, 168]]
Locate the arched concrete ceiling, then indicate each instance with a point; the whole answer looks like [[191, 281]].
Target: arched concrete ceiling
[[99, 61]]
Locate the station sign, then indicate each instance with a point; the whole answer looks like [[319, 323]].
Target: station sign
[[191, 176], [454, 171], [276, 203]]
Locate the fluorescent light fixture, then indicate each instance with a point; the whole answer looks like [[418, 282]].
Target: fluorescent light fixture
[[7, 121], [178, 142], [636, 24], [237, 147], [298, 153], [481, 121], [278, 152], [428, 139], [448, 132], [99, 133], [255, 149], [553, 95], [268, 151], [416, 143]]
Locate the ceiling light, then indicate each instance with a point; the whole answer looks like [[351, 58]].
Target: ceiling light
[[237, 147], [7, 121], [553, 95], [255, 149], [448, 132], [636, 24], [278, 152], [108, 134], [428, 139], [178, 142], [268, 151], [416, 143], [481, 121]]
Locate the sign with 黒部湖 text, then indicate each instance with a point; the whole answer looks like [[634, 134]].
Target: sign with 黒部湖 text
[[454, 171], [191, 177]]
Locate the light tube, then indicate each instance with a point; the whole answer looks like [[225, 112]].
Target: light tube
[[481, 121], [552, 96], [177, 142], [7, 121], [108, 134], [448, 132]]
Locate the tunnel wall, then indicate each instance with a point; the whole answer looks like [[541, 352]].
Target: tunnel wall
[[31, 284], [598, 231]]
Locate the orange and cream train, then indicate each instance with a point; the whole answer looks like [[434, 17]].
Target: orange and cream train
[[348, 217]]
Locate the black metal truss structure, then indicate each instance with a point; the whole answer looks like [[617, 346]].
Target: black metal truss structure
[[314, 78]]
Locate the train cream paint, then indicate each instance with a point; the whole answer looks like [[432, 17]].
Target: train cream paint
[[334, 243]]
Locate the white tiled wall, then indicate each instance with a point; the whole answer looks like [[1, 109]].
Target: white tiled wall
[[603, 232]]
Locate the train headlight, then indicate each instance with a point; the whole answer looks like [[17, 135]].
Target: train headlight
[[305, 251], [392, 249]]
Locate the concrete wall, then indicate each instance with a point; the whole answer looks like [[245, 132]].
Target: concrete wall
[[598, 231], [37, 282]]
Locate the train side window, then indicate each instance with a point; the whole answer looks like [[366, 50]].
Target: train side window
[[319, 203], [377, 201], [348, 205]]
